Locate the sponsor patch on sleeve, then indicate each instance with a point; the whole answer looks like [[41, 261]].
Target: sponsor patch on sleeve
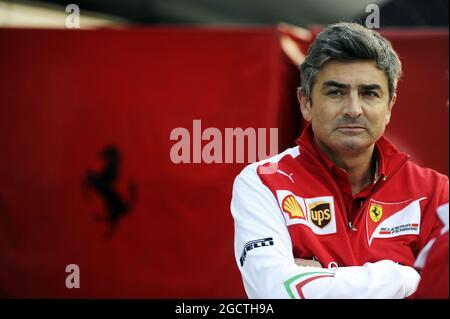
[[258, 243], [316, 213]]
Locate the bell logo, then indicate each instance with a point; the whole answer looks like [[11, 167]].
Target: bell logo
[[320, 214]]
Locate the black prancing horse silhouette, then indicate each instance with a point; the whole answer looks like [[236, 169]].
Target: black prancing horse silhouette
[[103, 183], [375, 212]]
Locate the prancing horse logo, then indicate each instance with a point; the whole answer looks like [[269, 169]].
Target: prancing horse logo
[[376, 211], [103, 183]]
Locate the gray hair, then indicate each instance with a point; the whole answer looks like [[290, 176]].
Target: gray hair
[[346, 42]]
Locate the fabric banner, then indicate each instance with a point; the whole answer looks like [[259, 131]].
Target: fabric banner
[[113, 161]]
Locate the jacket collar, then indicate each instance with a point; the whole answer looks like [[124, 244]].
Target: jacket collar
[[389, 158]]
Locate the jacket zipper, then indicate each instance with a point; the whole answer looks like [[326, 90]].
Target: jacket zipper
[[336, 188], [378, 186], [348, 223]]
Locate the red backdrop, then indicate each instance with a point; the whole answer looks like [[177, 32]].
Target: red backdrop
[[65, 95]]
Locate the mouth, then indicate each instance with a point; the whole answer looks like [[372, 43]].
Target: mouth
[[351, 129]]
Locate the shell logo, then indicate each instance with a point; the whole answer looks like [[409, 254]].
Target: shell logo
[[292, 207]]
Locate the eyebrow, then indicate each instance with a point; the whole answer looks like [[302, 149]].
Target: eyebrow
[[335, 84], [339, 85], [370, 87]]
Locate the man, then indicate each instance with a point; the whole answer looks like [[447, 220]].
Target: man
[[345, 198]]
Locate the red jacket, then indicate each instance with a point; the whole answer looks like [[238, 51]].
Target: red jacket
[[433, 260], [297, 204], [402, 187]]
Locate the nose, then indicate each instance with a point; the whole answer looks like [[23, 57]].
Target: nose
[[353, 107]]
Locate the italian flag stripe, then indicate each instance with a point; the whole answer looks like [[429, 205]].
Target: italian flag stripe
[[288, 283]]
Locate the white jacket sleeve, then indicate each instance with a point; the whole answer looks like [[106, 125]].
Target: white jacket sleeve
[[263, 252]]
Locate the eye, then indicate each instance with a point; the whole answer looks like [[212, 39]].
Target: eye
[[370, 93], [335, 93]]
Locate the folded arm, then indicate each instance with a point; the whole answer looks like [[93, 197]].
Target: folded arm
[[263, 251]]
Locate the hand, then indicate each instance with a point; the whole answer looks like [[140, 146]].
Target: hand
[[307, 262]]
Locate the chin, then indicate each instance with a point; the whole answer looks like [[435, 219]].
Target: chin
[[354, 145]]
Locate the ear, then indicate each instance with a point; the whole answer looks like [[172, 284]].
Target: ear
[[390, 107], [305, 106]]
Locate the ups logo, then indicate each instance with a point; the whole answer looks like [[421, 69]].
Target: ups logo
[[320, 214]]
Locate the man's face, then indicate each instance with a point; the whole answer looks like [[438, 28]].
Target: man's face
[[350, 106]]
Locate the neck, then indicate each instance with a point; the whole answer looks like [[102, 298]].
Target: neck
[[360, 167]]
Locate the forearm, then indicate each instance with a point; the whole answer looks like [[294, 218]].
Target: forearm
[[263, 251], [384, 279]]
